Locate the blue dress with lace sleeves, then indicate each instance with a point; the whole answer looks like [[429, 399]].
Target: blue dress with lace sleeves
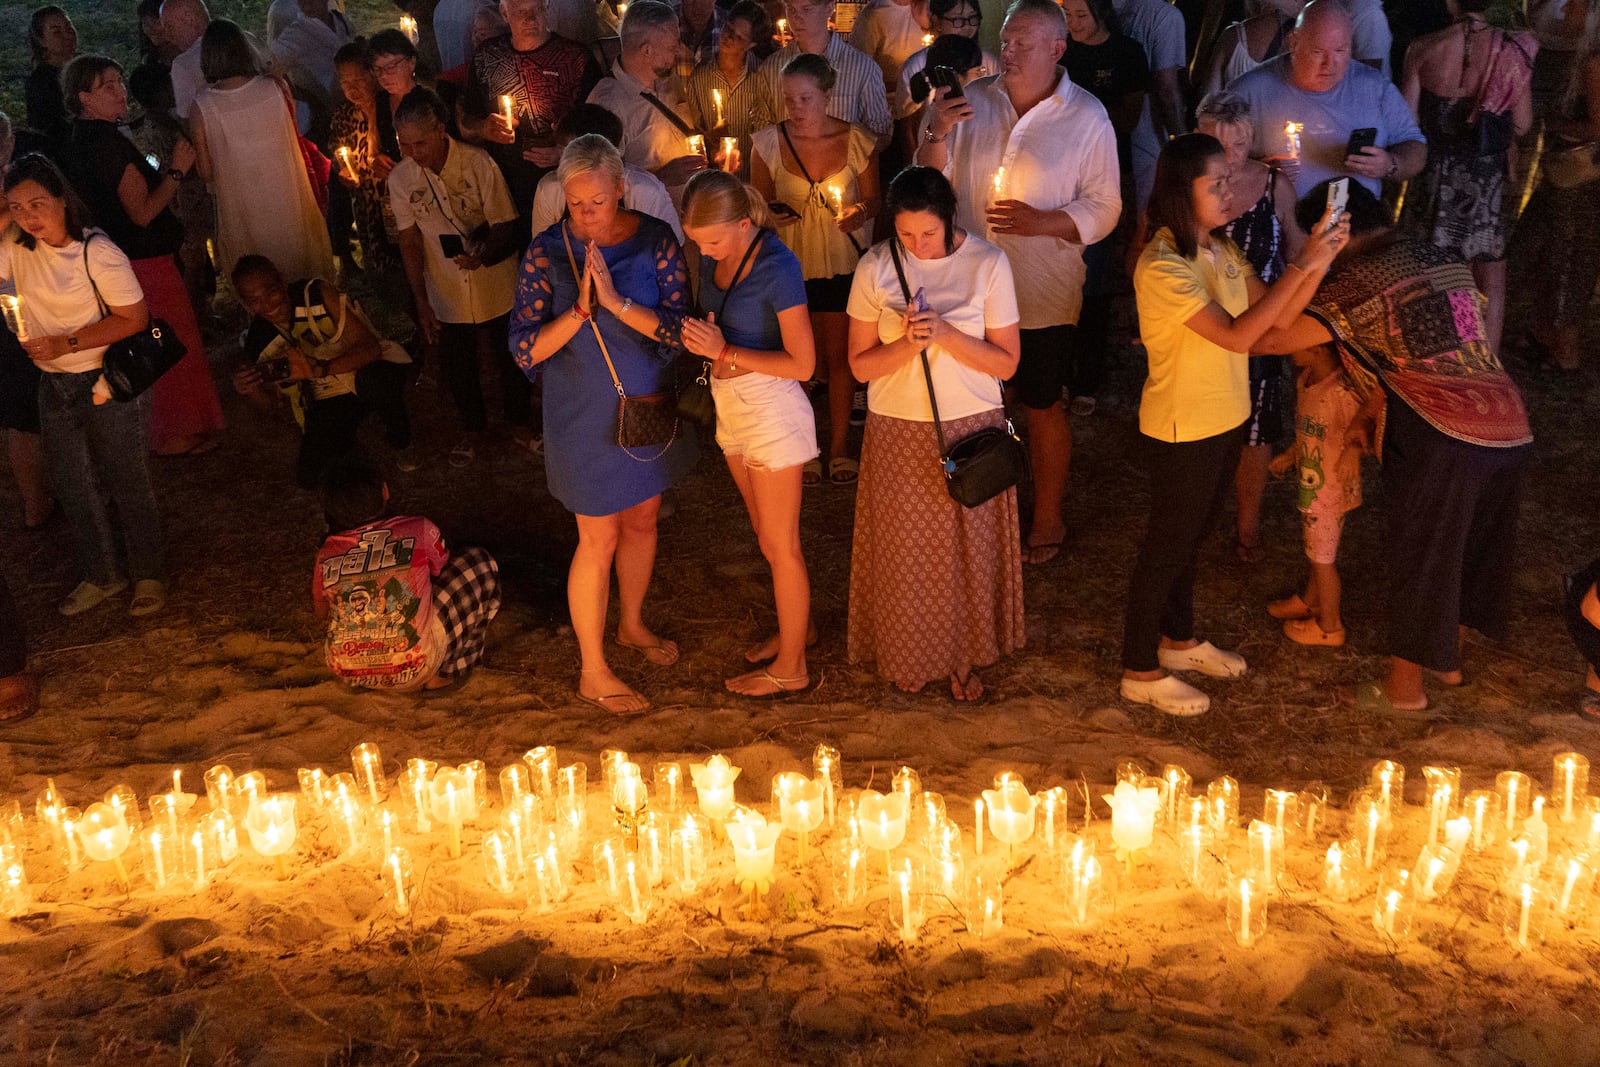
[[587, 470]]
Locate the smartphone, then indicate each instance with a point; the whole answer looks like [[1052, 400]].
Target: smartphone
[[782, 210], [1365, 137], [919, 302], [275, 370], [452, 245], [1338, 196]]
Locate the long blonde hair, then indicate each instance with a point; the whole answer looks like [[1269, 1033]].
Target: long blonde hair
[[714, 197]]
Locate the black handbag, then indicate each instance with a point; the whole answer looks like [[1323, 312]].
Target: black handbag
[[649, 421], [132, 365], [979, 467], [694, 397]]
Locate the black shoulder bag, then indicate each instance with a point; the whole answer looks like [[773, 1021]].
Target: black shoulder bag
[[976, 468], [133, 364], [694, 398]]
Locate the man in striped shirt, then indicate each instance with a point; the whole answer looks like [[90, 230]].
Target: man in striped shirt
[[857, 96]]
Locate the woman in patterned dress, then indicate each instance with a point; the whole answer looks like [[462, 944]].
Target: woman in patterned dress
[[359, 126]]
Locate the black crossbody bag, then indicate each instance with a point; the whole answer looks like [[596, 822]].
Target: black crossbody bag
[[980, 467], [694, 398], [132, 365]]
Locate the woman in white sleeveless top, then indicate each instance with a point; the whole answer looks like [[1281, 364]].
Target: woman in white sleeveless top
[[244, 132]]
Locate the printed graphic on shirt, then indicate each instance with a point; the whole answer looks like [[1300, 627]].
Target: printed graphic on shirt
[[376, 581]]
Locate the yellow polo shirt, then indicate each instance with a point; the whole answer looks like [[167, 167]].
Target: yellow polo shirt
[[1195, 389]]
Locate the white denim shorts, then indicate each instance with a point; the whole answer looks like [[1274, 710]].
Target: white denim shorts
[[766, 421]]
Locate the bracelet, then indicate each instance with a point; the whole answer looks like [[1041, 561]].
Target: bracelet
[[727, 347], [930, 138], [1394, 165], [627, 302], [733, 358], [579, 314]]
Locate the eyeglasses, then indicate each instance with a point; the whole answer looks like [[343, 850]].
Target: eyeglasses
[[961, 22], [393, 66]]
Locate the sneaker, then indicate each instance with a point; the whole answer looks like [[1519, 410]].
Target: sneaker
[[1205, 658], [1310, 632], [858, 408], [1082, 405], [1169, 695], [88, 595]]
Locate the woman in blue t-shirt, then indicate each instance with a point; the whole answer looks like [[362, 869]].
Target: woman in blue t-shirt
[[757, 336]]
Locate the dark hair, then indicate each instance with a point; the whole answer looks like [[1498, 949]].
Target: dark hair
[[34, 167], [941, 8], [810, 65], [251, 266], [1104, 14], [226, 52], [958, 53], [589, 118], [923, 189], [36, 30], [1367, 212], [419, 104], [151, 85], [1182, 160], [756, 16], [79, 76], [357, 51], [391, 42], [352, 492]]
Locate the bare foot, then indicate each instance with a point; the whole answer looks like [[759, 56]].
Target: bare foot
[[912, 689], [661, 652], [603, 689], [765, 683], [762, 651], [439, 682], [1450, 678], [965, 690], [1043, 546]]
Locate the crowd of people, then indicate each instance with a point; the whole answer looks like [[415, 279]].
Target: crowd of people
[[791, 217]]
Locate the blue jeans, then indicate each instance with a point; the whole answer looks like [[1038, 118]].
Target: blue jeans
[[87, 446]]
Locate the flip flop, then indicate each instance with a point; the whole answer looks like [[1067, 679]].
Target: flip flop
[[149, 597], [811, 472], [780, 686], [1589, 706], [968, 690], [662, 653], [1370, 698], [843, 470]]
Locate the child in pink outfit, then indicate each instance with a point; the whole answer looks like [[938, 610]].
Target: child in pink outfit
[[1330, 485]]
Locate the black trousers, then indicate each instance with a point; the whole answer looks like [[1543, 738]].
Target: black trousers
[[1450, 513], [1189, 482], [463, 349], [332, 425]]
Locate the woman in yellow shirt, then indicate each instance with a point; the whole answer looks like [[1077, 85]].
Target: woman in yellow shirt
[[1201, 307]]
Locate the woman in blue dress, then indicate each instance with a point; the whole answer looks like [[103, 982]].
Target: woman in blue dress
[[634, 294], [756, 335]]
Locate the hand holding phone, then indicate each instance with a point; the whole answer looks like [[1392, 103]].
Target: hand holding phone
[[1338, 197], [1364, 137]]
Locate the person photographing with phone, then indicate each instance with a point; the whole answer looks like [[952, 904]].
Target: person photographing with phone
[[1321, 116], [457, 232]]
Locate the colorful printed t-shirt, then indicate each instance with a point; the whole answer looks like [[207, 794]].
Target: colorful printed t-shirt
[[376, 583], [1330, 472]]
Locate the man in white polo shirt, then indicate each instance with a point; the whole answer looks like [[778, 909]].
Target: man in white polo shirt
[[1033, 159], [457, 235]]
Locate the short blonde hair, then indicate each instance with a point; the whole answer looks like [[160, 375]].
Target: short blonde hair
[[588, 153], [715, 197]]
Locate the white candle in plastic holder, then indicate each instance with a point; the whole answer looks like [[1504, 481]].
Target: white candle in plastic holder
[[883, 820], [271, 826], [1569, 786], [713, 783], [450, 798], [397, 880], [366, 760], [105, 835], [1247, 910]]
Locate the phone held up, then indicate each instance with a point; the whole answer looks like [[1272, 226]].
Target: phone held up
[[1365, 137], [1338, 197]]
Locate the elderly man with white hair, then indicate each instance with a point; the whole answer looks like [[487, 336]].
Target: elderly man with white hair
[[183, 23], [1316, 87], [1033, 159]]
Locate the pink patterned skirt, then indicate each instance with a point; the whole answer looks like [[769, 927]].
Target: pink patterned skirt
[[935, 588]]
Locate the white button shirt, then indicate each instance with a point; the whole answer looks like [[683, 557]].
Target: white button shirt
[[650, 140], [1060, 156]]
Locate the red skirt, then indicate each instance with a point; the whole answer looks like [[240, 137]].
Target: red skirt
[[183, 401]]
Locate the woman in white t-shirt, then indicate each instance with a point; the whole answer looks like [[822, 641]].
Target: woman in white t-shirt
[[57, 263], [935, 587]]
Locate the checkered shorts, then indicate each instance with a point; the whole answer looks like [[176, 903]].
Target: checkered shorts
[[466, 596]]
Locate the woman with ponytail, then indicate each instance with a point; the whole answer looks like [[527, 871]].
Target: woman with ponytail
[[756, 337]]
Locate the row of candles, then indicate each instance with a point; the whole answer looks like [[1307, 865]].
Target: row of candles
[[899, 848]]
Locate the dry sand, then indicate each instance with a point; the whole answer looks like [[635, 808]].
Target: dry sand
[[318, 969]]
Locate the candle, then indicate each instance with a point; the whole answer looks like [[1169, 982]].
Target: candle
[[1195, 843], [219, 787], [120, 797], [669, 788], [1222, 805], [313, 786], [1388, 778], [836, 201], [622, 11], [270, 823], [11, 307], [687, 852], [1483, 809], [730, 153], [1083, 879], [105, 836], [197, 852], [977, 826], [1434, 872], [1175, 782], [1133, 817], [1011, 811], [158, 847], [1513, 788], [1571, 786], [508, 113], [1281, 809], [367, 762], [1264, 842], [999, 184], [497, 866], [655, 835], [716, 103], [908, 930], [1336, 880], [542, 763], [800, 808], [638, 892], [1444, 791], [713, 785], [1391, 909], [755, 845], [514, 785], [1291, 139], [883, 820], [1054, 804], [826, 765], [344, 158], [1527, 895], [697, 144], [408, 26], [1576, 880], [397, 878], [783, 31], [1313, 802], [1247, 912], [449, 798]]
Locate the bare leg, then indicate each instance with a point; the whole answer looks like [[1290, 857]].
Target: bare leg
[[1491, 278], [1403, 684], [1170, 645], [1249, 483], [27, 466], [1050, 450], [1325, 583], [830, 328], [588, 591], [636, 560], [774, 498]]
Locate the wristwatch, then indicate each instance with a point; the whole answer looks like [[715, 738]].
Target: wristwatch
[[1394, 164], [627, 302]]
